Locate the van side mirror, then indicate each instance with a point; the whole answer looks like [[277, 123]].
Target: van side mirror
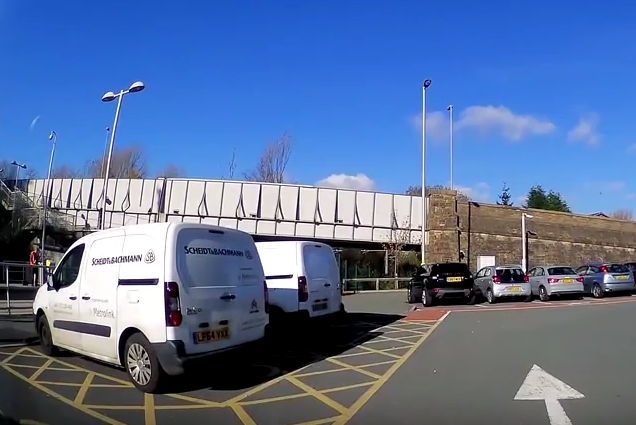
[[50, 283]]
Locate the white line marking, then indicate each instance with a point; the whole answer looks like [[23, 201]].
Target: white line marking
[[540, 385]]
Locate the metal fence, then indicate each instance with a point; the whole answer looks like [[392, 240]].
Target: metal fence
[[374, 284], [19, 282]]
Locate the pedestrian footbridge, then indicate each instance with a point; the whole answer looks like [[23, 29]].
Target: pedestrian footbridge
[[262, 209]]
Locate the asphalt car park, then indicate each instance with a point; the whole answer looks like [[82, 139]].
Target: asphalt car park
[[316, 375]]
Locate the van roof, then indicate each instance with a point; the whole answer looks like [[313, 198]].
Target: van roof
[[155, 228], [291, 243]]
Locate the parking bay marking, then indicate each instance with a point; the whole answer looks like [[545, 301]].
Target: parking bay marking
[[540, 385], [373, 380]]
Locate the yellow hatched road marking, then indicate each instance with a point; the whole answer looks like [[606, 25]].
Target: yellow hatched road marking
[[242, 415], [318, 395], [354, 368], [84, 387], [149, 409]]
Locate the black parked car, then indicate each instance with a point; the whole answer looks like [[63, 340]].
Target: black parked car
[[441, 280]]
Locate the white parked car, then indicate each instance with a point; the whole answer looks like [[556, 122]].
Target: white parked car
[[150, 297], [302, 278]]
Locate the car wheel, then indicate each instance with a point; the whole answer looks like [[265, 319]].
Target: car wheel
[[427, 298], [543, 294], [490, 296], [142, 365], [597, 292], [46, 339]]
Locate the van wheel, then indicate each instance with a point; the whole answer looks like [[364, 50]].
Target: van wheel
[[141, 364], [427, 298], [46, 339]]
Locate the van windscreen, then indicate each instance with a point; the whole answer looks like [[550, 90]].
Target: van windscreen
[[217, 258]]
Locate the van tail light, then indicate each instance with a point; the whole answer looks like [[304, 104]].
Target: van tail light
[[173, 305], [579, 279], [553, 280], [496, 279], [303, 294], [604, 269], [266, 294], [526, 279]]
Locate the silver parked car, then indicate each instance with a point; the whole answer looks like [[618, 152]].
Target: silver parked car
[[495, 282], [602, 278], [546, 281]]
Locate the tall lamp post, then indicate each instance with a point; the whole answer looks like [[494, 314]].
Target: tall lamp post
[[524, 235], [47, 194], [426, 85], [107, 97], [450, 120]]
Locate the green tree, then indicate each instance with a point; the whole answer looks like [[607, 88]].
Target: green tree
[[504, 196], [539, 199], [417, 191]]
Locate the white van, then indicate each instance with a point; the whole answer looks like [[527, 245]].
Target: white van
[[302, 277], [150, 297]]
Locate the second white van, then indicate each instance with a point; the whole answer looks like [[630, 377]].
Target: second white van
[[150, 297], [302, 277]]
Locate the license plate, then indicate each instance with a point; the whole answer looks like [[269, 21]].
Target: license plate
[[622, 277], [514, 289], [213, 335], [568, 280], [319, 307], [453, 279]]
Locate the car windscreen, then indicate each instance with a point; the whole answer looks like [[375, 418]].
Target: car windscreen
[[617, 268], [450, 268], [561, 271], [510, 275]]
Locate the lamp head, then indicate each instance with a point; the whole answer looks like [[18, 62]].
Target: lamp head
[[108, 96], [52, 135], [137, 86], [427, 83]]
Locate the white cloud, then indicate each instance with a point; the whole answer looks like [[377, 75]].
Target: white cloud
[[437, 125], [488, 119], [346, 181], [585, 130], [521, 200], [631, 196], [606, 186], [480, 192], [34, 122], [502, 121]]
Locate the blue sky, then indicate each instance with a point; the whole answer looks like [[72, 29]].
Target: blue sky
[[542, 91]]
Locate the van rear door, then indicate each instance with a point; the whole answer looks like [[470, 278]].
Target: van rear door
[[221, 289], [323, 279]]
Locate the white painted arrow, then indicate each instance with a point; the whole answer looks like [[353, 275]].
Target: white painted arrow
[[540, 385]]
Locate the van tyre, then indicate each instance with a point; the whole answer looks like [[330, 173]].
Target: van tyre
[[427, 298], [46, 339], [142, 365]]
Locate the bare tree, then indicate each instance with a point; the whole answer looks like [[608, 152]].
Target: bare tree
[[127, 163], [8, 171], [623, 214], [171, 171], [65, 172], [398, 239], [272, 164], [417, 191]]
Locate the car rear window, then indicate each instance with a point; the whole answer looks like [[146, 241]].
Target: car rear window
[[509, 275], [448, 268], [617, 268], [561, 271], [217, 258]]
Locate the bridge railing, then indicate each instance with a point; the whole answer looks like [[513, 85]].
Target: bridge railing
[[374, 284]]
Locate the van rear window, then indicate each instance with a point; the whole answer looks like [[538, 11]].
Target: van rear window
[[217, 259]]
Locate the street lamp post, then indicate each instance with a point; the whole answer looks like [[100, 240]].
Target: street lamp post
[[107, 97], [426, 85], [17, 172], [450, 120], [524, 255], [47, 194]]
